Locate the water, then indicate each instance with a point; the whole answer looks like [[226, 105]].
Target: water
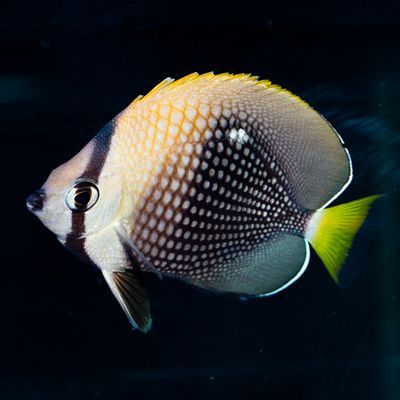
[[64, 73]]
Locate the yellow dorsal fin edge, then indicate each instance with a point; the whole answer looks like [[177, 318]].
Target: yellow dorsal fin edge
[[171, 84]]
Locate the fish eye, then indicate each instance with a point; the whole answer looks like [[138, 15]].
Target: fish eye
[[82, 196]]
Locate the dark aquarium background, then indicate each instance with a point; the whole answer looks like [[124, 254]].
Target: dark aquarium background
[[66, 68]]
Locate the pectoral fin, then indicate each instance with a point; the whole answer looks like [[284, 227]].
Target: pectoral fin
[[135, 252], [132, 296]]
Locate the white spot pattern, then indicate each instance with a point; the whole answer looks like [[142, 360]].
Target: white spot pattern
[[226, 196]]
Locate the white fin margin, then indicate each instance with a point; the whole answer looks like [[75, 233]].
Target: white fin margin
[[294, 279], [347, 183], [350, 178]]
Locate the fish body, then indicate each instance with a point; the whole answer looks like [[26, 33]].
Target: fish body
[[219, 180]]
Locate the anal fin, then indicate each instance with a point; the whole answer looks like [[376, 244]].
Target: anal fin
[[132, 297], [266, 270]]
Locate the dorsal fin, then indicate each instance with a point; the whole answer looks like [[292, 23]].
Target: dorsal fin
[[308, 151], [171, 84]]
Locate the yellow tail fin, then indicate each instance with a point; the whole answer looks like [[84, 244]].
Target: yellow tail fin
[[331, 231]]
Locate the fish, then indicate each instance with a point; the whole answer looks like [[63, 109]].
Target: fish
[[220, 180]]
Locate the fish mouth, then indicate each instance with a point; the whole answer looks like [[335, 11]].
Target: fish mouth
[[35, 201]]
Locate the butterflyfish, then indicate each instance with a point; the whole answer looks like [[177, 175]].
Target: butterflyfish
[[222, 181]]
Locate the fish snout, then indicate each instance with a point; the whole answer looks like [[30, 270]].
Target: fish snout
[[35, 201]]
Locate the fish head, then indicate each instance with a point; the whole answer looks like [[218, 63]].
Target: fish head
[[81, 202], [81, 197]]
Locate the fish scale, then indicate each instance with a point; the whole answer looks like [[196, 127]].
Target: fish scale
[[235, 199], [220, 180]]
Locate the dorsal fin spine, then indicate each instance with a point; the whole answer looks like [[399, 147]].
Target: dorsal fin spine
[[171, 84]]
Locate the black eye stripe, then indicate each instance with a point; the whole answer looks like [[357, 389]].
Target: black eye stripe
[[75, 240], [101, 148]]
